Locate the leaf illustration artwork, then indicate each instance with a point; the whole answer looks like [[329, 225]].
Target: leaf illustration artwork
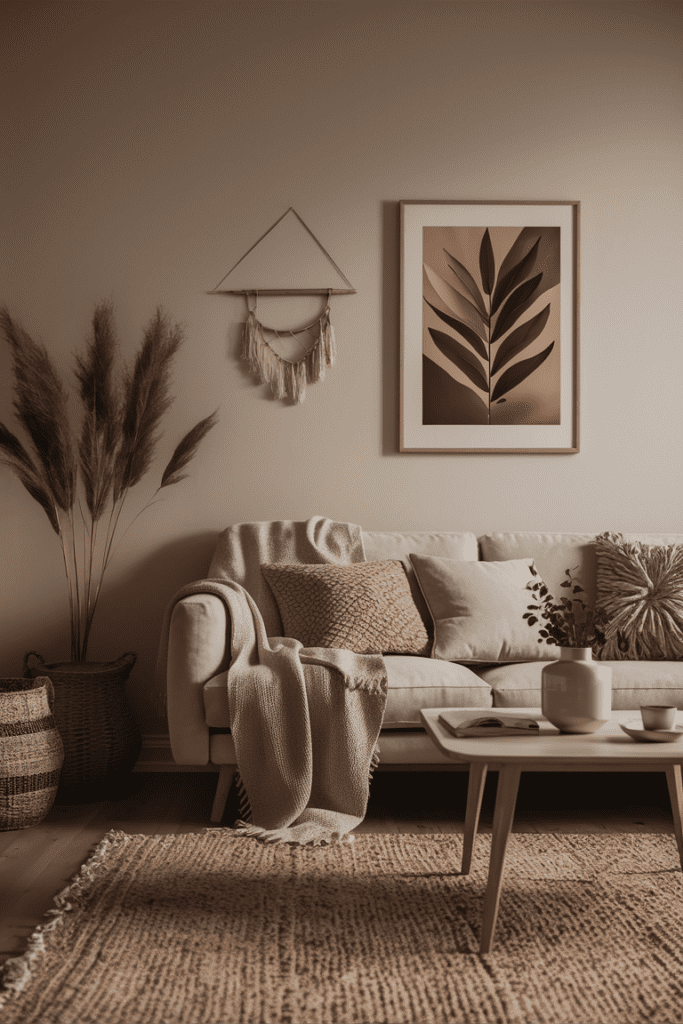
[[491, 325]]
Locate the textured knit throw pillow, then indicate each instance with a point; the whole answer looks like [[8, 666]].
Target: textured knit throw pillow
[[366, 607], [640, 588]]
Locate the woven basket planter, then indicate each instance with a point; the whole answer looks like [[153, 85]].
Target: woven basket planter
[[31, 752], [101, 739]]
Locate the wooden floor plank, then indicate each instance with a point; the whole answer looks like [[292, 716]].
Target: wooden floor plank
[[35, 853], [379, 826]]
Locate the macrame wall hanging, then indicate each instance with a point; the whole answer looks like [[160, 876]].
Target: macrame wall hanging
[[288, 377], [287, 243]]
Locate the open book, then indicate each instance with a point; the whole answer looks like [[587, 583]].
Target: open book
[[497, 723]]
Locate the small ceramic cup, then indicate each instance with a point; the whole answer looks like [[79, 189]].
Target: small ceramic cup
[[658, 716]]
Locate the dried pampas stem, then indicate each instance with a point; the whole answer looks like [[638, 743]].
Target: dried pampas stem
[[288, 378]]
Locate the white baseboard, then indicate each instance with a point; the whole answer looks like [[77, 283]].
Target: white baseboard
[[156, 756]]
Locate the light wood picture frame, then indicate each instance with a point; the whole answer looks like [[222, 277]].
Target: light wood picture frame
[[489, 326]]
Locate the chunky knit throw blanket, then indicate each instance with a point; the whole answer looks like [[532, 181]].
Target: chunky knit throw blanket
[[305, 721]]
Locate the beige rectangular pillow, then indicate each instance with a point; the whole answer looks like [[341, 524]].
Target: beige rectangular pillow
[[478, 609]]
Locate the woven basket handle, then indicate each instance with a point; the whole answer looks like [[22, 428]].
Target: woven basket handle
[[129, 658], [47, 683], [27, 668]]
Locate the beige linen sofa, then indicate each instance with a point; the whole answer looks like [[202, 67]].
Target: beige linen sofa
[[198, 657]]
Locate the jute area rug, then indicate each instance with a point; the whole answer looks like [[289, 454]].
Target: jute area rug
[[215, 929]]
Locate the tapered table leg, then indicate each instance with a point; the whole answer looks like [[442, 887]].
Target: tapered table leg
[[475, 793], [506, 798], [675, 783]]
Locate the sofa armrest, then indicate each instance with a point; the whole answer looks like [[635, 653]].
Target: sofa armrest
[[197, 651]]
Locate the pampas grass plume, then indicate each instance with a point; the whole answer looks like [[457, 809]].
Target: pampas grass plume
[[119, 432]]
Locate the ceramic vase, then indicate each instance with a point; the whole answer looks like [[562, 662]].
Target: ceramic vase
[[576, 691]]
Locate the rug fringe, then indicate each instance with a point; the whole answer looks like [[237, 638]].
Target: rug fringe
[[16, 972]]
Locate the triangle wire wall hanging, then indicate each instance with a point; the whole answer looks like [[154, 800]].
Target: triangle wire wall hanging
[[287, 377]]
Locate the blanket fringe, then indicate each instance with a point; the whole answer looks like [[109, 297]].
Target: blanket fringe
[[370, 684], [309, 833], [374, 762], [16, 972], [244, 804]]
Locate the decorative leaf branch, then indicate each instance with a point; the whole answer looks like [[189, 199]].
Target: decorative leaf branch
[[466, 279], [463, 358], [514, 276], [467, 333], [519, 339], [485, 312]]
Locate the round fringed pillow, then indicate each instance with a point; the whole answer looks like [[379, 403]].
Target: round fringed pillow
[[640, 588]]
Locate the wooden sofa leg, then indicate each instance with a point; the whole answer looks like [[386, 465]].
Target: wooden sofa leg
[[225, 777]]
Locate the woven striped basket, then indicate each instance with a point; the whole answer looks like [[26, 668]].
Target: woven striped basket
[[31, 752]]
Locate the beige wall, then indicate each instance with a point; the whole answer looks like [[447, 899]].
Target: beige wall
[[148, 145]]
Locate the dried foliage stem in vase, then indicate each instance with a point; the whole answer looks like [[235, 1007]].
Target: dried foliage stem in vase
[[82, 477], [569, 622]]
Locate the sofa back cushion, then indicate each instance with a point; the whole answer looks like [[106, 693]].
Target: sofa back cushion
[[243, 548], [400, 545], [552, 554]]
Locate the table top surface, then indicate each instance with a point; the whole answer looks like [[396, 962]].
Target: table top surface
[[609, 745]]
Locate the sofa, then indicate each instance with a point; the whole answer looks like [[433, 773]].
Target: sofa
[[198, 655]]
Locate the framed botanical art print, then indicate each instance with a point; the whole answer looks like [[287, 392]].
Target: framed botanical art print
[[489, 327]]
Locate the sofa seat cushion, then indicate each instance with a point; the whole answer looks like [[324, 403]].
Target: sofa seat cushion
[[216, 702], [633, 683], [414, 683]]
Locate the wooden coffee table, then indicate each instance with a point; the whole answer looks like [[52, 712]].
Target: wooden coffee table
[[608, 750]]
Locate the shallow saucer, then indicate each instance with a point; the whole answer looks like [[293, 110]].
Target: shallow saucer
[[652, 735]]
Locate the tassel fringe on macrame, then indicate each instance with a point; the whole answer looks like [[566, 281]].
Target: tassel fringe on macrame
[[288, 378]]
